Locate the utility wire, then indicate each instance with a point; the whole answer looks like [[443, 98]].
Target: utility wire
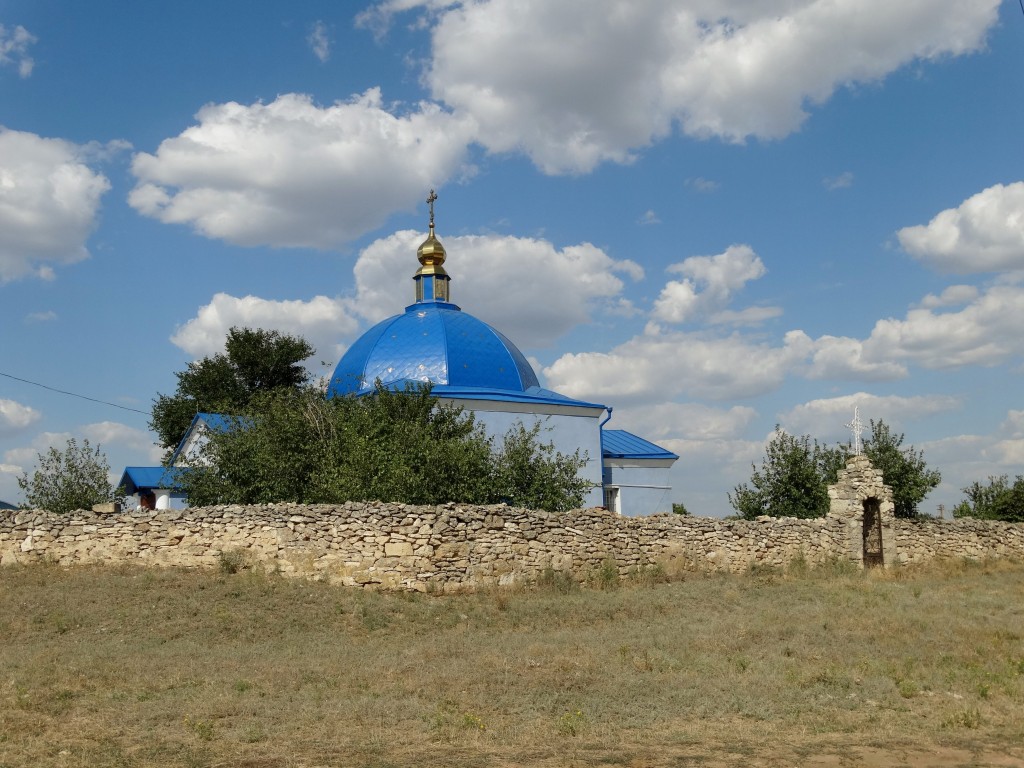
[[73, 394]]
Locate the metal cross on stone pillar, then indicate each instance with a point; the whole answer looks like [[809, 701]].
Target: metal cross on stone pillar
[[856, 426], [430, 201]]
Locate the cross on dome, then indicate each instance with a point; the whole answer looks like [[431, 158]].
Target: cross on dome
[[431, 278]]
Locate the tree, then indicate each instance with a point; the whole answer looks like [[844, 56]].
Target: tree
[[295, 445], [529, 473], [254, 361], [65, 480], [796, 472], [678, 508], [903, 469], [998, 500], [793, 479]]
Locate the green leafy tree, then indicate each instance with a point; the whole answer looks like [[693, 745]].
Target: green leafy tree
[[796, 472], [792, 481], [529, 473], [903, 469], [678, 508], [295, 445], [76, 477], [996, 500], [254, 362]]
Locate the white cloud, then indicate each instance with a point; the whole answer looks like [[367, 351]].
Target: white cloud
[[564, 288], [41, 443], [685, 421], [649, 217], [842, 357], [112, 435], [703, 185], [291, 173], [15, 417], [49, 199], [579, 82], [985, 332], [984, 234], [665, 365], [14, 45], [749, 316], [319, 42], [41, 317], [322, 321], [709, 284], [953, 296], [843, 181], [827, 418]]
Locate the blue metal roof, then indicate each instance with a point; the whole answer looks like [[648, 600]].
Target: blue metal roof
[[433, 342], [620, 444], [144, 478]]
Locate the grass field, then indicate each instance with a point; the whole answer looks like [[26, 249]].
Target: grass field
[[133, 667]]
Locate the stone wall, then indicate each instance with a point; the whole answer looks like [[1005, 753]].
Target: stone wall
[[455, 547]]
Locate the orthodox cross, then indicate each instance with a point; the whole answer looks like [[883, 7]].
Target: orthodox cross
[[430, 201], [856, 426]]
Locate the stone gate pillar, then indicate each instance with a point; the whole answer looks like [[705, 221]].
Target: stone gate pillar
[[864, 502]]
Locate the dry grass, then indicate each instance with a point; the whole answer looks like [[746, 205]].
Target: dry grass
[[131, 667]]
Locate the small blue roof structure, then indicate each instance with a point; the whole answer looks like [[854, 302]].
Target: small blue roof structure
[[620, 444], [135, 479]]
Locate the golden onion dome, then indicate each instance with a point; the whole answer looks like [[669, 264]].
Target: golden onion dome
[[431, 253]]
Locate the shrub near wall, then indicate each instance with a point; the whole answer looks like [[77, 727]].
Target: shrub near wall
[[454, 547]]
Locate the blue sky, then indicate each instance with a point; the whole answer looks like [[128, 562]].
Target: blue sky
[[714, 216]]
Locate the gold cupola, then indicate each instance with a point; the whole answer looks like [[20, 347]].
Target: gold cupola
[[431, 279]]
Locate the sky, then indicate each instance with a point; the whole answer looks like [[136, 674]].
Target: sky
[[715, 216]]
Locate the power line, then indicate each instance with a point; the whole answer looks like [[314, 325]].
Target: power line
[[73, 394]]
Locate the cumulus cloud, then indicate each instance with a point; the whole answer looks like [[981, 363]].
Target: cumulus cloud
[[15, 417], [319, 42], [842, 357], [648, 217], [291, 173], [565, 285], [827, 418], [708, 284], [49, 199], [326, 323], [14, 45], [985, 233], [666, 365], [984, 332], [953, 296], [686, 421], [579, 82], [110, 435]]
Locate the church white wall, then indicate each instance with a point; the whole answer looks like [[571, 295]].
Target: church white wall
[[565, 433], [642, 490]]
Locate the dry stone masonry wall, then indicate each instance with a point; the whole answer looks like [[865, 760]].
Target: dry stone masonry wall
[[455, 547]]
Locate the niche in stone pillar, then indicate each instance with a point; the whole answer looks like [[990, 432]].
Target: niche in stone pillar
[[872, 533], [862, 500]]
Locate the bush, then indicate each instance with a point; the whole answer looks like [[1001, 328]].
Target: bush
[[295, 445], [998, 500], [74, 478]]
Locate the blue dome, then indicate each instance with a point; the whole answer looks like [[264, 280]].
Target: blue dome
[[433, 342]]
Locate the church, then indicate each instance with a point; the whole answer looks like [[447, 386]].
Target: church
[[469, 364]]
